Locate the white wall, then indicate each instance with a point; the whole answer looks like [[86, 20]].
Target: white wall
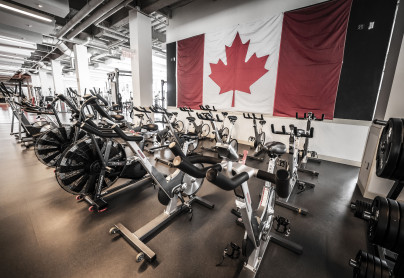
[[342, 141]]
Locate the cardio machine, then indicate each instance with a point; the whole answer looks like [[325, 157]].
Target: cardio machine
[[293, 163], [305, 154], [178, 186], [230, 174], [259, 135]]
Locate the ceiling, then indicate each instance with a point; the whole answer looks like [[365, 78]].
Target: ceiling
[[34, 32]]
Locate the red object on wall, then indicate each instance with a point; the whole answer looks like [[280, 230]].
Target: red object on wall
[[310, 59], [190, 71]]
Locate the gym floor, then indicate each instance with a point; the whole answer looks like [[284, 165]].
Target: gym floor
[[45, 232]]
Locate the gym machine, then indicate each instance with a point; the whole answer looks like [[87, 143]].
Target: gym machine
[[306, 155], [293, 163], [259, 135], [231, 174], [385, 216]]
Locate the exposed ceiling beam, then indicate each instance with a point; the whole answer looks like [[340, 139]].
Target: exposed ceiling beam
[[155, 6]]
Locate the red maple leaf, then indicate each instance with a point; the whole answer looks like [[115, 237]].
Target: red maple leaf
[[237, 74]]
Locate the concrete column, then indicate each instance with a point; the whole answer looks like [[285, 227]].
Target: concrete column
[[58, 82], [141, 58], [81, 65], [43, 78]]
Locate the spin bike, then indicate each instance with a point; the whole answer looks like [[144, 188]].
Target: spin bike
[[259, 135], [219, 139], [89, 167], [305, 154], [178, 186], [231, 174], [202, 130], [293, 163]]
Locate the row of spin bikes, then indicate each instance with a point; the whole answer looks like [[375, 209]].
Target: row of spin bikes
[[100, 147]]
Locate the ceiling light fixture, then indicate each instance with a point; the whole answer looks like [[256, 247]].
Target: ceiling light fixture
[[7, 39], [23, 11]]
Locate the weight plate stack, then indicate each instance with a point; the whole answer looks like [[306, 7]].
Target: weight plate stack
[[80, 166], [378, 223], [394, 226], [366, 265], [389, 149], [360, 207], [400, 238]]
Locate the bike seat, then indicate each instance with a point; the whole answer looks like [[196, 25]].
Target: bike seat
[[232, 118], [275, 148], [139, 115], [175, 113], [150, 127], [300, 132], [263, 122], [225, 114], [191, 119], [117, 117]]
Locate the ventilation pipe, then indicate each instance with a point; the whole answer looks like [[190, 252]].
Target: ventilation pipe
[[93, 18], [85, 11]]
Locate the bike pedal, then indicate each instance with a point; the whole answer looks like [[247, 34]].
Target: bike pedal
[[236, 213]]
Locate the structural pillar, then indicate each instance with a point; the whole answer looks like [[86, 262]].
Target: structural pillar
[[81, 65], [58, 82], [43, 78], [141, 58]]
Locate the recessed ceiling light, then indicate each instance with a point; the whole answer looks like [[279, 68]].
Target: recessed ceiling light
[[21, 10], [29, 25], [40, 6]]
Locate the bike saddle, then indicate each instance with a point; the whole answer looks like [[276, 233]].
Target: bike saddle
[[225, 114], [275, 148], [139, 115], [150, 127], [117, 117], [262, 122], [191, 119], [300, 132], [175, 113], [232, 118]]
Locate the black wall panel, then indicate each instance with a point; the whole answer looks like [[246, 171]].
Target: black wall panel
[[365, 52], [171, 74]]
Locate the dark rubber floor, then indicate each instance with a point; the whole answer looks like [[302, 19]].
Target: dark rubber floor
[[45, 232]]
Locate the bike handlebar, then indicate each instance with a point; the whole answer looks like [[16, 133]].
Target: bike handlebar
[[207, 108], [311, 116], [253, 117], [281, 178], [380, 122]]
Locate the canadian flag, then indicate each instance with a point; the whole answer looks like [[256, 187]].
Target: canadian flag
[[281, 65]]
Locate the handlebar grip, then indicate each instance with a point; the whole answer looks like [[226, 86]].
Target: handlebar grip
[[380, 122], [176, 150], [122, 134], [281, 179], [225, 183], [322, 118], [187, 167], [102, 99]]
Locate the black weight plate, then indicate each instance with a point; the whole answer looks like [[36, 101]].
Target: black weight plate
[[378, 227], [362, 260], [388, 150], [399, 172], [371, 267], [394, 226], [378, 267], [400, 238], [385, 269]]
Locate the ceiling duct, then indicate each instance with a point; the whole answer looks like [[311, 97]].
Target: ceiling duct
[[85, 11], [59, 44], [93, 18]]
